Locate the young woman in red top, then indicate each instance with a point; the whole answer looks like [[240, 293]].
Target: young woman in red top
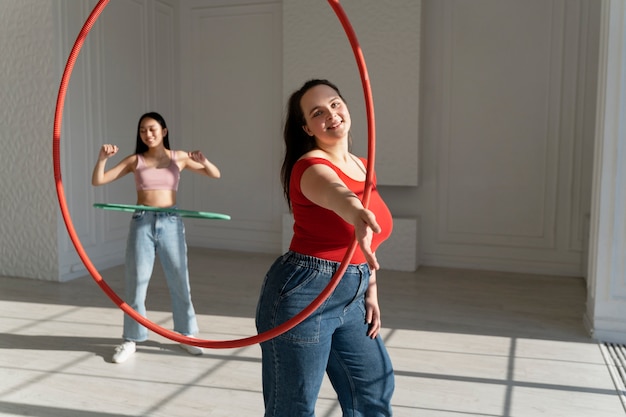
[[323, 184], [157, 172]]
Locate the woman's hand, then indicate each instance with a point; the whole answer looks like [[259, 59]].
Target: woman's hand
[[107, 151], [372, 310], [197, 156], [100, 177], [201, 165], [322, 185], [364, 228]]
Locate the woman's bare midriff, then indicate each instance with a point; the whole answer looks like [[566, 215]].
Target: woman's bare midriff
[[156, 198]]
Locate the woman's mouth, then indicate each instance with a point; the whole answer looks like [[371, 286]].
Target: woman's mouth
[[335, 125]]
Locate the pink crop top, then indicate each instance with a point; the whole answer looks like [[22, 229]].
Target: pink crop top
[[157, 178]]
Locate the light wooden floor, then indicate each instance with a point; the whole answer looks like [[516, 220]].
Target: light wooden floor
[[463, 343]]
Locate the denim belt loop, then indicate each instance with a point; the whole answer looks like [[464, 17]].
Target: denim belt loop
[[320, 264]]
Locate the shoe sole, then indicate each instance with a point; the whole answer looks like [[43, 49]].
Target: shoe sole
[[193, 353]]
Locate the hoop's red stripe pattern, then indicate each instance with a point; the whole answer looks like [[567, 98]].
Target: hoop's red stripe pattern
[[214, 344]]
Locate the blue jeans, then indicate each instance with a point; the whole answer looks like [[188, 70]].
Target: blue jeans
[[332, 340], [163, 234]]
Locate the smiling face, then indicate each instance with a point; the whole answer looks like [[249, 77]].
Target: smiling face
[[326, 115], [151, 132]]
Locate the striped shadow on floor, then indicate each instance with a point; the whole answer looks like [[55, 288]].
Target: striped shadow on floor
[[615, 358]]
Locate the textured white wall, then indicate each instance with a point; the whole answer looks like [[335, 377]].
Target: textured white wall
[[28, 86]]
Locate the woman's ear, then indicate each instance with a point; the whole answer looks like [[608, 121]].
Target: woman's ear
[[307, 130]]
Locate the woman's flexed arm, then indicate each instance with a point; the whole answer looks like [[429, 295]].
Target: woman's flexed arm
[[197, 162], [100, 176]]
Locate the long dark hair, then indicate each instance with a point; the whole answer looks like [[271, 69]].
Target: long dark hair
[[141, 147], [297, 141]]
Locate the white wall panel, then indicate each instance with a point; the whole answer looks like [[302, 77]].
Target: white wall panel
[[116, 78], [606, 300], [581, 122], [315, 46], [121, 65], [505, 117], [79, 130], [231, 111], [499, 151], [165, 60], [505, 178]]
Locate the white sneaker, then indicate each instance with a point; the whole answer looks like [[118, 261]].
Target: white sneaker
[[124, 351], [191, 349]]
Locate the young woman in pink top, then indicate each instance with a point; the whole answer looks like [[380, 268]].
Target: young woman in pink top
[[157, 173]]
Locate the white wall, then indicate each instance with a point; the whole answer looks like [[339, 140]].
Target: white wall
[[606, 290], [502, 183], [129, 65], [508, 106], [28, 83], [316, 46], [231, 110]]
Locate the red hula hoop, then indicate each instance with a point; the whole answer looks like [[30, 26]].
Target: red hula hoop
[[214, 344]]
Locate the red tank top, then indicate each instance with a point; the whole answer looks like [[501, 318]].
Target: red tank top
[[320, 232], [157, 178]]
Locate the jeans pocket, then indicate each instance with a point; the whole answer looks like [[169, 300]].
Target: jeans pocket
[[299, 280], [174, 217], [299, 292]]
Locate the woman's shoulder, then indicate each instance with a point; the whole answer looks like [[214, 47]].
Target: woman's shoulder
[[131, 159], [129, 163], [312, 158], [362, 160], [179, 155], [317, 164], [315, 156], [314, 153]]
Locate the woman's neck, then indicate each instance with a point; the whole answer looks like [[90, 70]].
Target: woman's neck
[[337, 152], [157, 153]]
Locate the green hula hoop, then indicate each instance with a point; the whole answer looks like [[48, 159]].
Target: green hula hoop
[[181, 213]]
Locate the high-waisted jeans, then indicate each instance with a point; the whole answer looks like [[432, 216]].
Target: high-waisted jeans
[[157, 234], [332, 340]]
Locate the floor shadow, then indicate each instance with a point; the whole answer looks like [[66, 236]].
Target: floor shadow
[[102, 347], [32, 410], [431, 299]]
